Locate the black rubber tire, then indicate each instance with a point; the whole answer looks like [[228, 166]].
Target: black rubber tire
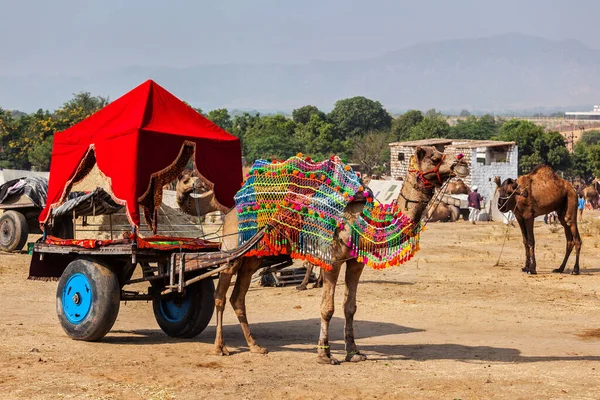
[[105, 301], [13, 231], [199, 312]]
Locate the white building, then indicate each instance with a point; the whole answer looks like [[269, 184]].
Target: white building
[[486, 158], [594, 114]]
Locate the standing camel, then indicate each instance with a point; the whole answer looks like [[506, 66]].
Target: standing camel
[[539, 193], [432, 169]]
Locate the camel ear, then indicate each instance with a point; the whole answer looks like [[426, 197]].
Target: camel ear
[[420, 152], [498, 181], [180, 177]]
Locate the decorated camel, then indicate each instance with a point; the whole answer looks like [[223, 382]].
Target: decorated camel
[[350, 217], [538, 193]]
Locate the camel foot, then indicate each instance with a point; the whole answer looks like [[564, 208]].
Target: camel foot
[[530, 272], [327, 360], [558, 271], [355, 356], [256, 349], [301, 287], [318, 285], [575, 272], [221, 351]]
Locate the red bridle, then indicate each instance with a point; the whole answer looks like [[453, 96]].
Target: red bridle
[[435, 170]]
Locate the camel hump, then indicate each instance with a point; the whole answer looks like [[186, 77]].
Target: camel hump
[[543, 170]]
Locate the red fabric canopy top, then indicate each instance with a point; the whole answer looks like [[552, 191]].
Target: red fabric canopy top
[[140, 142]]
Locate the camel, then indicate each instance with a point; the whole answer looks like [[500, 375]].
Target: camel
[[432, 170], [443, 213], [590, 194], [538, 193], [309, 268], [457, 187], [194, 197]]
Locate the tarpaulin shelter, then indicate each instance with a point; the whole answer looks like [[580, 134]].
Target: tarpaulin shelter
[[141, 142]]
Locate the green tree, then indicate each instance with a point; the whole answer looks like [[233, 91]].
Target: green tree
[[272, 136], [221, 118], [590, 137], [535, 145], [402, 125], [39, 156], [435, 126], [81, 106], [372, 152], [580, 163], [303, 114], [483, 128], [358, 115], [319, 139]]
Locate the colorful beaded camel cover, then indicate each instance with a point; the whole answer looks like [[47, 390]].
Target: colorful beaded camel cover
[[303, 204]]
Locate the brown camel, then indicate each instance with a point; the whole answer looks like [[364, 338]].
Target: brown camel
[[194, 197], [539, 193], [457, 187], [309, 269], [434, 167], [443, 213], [590, 194]]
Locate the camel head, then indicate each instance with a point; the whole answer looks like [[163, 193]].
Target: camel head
[[188, 183], [508, 192], [434, 168]]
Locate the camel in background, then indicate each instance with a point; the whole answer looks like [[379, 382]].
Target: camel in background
[[432, 169], [539, 193]]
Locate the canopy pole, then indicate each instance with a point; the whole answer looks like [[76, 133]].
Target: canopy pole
[[74, 226]]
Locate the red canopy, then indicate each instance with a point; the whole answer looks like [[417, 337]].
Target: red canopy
[[142, 141]]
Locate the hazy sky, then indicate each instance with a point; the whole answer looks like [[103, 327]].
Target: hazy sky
[[79, 37]]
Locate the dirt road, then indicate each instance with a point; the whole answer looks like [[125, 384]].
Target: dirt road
[[447, 325]]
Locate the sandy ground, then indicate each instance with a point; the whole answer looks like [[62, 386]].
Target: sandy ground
[[447, 325]]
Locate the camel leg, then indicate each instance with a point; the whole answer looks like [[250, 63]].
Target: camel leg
[[523, 227], [577, 239], [353, 271], [327, 307], [319, 282], [220, 294], [570, 244], [309, 268], [531, 243], [238, 301]]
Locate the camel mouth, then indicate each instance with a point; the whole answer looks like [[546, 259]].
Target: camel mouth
[[461, 170], [201, 195]]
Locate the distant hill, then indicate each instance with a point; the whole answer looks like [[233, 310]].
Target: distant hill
[[506, 72]]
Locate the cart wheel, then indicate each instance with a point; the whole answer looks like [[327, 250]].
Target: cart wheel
[[13, 231], [87, 299], [186, 315]]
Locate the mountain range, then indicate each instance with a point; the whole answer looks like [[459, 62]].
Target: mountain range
[[505, 72]]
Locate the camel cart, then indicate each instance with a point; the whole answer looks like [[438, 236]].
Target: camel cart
[[140, 143], [21, 201]]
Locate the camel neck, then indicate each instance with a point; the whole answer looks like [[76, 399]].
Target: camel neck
[[414, 197]]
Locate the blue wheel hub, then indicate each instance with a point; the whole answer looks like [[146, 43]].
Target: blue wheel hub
[[77, 298], [176, 309]]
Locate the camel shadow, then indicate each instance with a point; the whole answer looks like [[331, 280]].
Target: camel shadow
[[276, 333], [383, 282], [294, 336], [458, 352]]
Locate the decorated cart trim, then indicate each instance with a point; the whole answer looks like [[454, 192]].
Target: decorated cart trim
[[302, 203]]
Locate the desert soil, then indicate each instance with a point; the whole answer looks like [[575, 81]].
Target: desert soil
[[450, 324]]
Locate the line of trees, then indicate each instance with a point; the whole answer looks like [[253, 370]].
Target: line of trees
[[357, 129]]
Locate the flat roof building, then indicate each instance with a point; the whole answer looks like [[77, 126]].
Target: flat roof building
[[594, 114]]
